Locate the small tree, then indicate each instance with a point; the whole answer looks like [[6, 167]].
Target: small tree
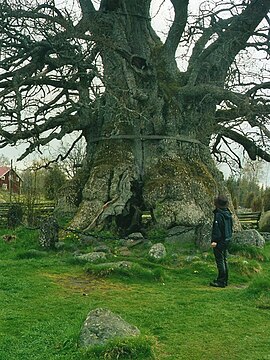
[[249, 200], [54, 179], [4, 161], [71, 157], [32, 190], [257, 204]]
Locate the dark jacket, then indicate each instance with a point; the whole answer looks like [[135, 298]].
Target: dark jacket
[[222, 225]]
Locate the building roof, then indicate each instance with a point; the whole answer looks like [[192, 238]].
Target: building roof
[[6, 169]]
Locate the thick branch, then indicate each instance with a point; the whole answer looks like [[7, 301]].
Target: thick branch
[[178, 26], [87, 8], [247, 110], [252, 149], [216, 92]]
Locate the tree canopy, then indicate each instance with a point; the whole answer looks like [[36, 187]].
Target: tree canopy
[[52, 79]]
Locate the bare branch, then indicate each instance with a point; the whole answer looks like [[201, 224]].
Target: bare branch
[[253, 150], [253, 90], [213, 62]]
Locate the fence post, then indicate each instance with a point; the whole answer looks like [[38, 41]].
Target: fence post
[[48, 233]]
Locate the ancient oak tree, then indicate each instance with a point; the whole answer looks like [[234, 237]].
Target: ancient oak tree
[[153, 111]]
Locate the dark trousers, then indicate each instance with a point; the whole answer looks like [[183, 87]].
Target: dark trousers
[[221, 253]]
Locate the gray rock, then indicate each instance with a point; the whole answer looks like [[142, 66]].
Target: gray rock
[[132, 243], [93, 257], [88, 239], [248, 237], [157, 251], [136, 236], [102, 325]]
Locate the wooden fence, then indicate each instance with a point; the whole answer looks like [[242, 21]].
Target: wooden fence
[[250, 219], [38, 210]]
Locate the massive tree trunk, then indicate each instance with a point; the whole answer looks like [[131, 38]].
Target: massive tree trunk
[[148, 146], [147, 125]]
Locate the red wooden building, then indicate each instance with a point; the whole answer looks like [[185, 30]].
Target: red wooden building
[[10, 180]]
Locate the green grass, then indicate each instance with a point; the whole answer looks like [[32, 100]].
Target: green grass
[[45, 297]]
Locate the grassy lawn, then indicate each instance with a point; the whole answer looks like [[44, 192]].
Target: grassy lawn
[[45, 297]]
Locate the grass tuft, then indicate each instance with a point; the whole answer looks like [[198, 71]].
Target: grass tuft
[[31, 254], [259, 289], [135, 348], [249, 252], [245, 267], [125, 270]]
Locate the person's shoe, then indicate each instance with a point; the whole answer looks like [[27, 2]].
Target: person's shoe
[[217, 284]]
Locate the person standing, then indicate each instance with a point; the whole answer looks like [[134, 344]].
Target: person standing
[[220, 239]]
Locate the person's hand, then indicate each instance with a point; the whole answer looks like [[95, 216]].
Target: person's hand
[[213, 244]]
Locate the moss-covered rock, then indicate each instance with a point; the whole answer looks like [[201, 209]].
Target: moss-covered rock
[[264, 223], [102, 325]]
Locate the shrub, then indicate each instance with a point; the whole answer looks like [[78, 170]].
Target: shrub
[[266, 199], [257, 204], [14, 216], [249, 200]]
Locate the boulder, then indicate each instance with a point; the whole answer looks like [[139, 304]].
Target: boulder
[[264, 222], [157, 251], [136, 236], [102, 325], [249, 237]]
